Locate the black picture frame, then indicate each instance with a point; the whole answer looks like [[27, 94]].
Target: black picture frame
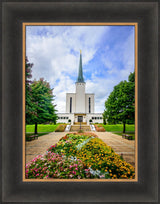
[[14, 13]]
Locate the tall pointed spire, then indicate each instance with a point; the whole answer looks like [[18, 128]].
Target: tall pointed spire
[[80, 73]]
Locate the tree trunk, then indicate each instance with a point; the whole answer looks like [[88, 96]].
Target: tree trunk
[[35, 130], [124, 127]]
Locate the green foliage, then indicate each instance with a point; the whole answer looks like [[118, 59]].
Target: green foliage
[[131, 77], [42, 98], [39, 100], [41, 128], [104, 119], [28, 96], [119, 107]]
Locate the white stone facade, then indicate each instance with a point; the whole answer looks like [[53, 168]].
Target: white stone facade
[[80, 102], [80, 105], [95, 117]]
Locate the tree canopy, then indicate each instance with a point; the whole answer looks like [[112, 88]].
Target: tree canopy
[[120, 105], [43, 97], [28, 96], [39, 100]]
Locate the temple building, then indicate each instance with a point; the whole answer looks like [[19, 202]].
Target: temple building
[[80, 105]]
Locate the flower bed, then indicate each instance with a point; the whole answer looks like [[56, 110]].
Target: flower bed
[[61, 128], [99, 128], [97, 155], [80, 156], [52, 165]]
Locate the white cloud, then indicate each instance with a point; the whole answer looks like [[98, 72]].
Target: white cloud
[[101, 87], [54, 50]]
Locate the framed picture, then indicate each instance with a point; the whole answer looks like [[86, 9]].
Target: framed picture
[[109, 60], [29, 23]]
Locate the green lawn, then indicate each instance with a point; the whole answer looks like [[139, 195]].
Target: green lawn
[[41, 128], [119, 128]]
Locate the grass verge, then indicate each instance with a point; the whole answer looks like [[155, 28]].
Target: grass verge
[[41, 128], [119, 128]]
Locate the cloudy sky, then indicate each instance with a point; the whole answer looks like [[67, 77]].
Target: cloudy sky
[[107, 58]]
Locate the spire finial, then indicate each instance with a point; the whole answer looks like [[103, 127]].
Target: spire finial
[[80, 72], [80, 51]]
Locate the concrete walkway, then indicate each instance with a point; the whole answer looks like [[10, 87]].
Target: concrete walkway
[[40, 145], [121, 146]]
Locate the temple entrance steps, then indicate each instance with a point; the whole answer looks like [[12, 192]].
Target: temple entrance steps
[[78, 123], [77, 128]]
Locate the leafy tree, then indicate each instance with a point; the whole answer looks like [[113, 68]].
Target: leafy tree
[[42, 98], [131, 77], [28, 96], [119, 107]]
